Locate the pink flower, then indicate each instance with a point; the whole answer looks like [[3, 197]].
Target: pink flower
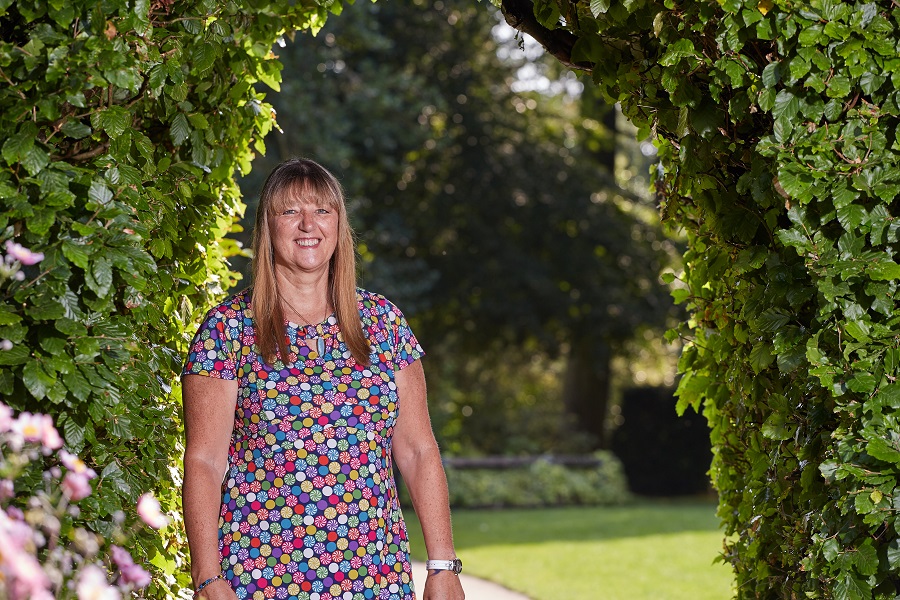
[[92, 585], [7, 490], [38, 428], [25, 576], [76, 486], [6, 344], [22, 254], [75, 464], [6, 419], [21, 571], [150, 512], [131, 573]]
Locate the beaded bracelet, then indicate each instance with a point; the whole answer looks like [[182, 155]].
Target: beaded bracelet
[[207, 582]]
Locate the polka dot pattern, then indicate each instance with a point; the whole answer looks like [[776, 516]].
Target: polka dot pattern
[[309, 505]]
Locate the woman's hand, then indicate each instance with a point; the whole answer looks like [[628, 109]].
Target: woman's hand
[[443, 585]]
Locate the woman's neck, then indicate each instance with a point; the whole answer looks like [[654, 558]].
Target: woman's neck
[[304, 296]]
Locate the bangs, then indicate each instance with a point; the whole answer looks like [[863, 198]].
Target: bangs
[[307, 191]]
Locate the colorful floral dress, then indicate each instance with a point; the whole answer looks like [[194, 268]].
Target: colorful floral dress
[[309, 505]]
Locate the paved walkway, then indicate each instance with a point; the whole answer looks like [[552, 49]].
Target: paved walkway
[[475, 588]]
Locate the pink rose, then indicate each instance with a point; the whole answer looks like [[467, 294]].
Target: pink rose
[[76, 486], [92, 585], [150, 512], [131, 573], [22, 254]]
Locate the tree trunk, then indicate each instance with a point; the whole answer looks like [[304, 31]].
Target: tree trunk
[[586, 387]]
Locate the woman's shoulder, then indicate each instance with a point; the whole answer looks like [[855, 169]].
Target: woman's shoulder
[[234, 305], [373, 304]]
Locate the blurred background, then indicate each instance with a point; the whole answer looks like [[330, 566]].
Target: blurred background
[[509, 212]]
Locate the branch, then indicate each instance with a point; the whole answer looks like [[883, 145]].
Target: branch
[[519, 14]]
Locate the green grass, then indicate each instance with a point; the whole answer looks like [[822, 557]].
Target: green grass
[[658, 550]]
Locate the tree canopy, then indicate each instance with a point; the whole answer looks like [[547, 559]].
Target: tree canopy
[[481, 210]]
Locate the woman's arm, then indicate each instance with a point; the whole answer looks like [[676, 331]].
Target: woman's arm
[[416, 454], [208, 422]]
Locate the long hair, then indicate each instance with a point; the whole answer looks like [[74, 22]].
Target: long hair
[[300, 175]]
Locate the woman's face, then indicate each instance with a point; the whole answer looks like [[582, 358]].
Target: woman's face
[[304, 232]]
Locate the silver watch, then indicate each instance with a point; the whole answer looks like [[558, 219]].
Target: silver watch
[[434, 566]]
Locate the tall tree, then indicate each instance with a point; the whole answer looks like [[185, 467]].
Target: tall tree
[[487, 215], [777, 123]]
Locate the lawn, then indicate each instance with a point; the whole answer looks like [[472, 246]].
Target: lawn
[[658, 550]]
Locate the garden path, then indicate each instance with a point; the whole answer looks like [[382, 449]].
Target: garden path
[[475, 588]]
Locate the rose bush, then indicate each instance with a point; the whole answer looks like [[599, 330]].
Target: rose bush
[[44, 554]]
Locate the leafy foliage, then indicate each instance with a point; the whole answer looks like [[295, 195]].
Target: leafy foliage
[[122, 125], [777, 127]]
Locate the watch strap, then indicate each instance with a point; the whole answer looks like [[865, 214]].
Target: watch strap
[[454, 565]]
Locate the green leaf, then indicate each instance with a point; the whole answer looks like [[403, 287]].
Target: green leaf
[[893, 554], [101, 277], [78, 385], [36, 379], [76, 253], [851, 216], [850, 588], [838, 87], [775, 428], [19, 144], [99, 193], [683, 48], [881, 449], [772, 319], [547, 13], [761, 357], [113, 120], [15, 356], [180, 130], [866, 558], [599, 7], [771, 75], [74, 434], [75, 129], [797, 185], [859, 330], [35, 160], [884, 270], [786, 104]]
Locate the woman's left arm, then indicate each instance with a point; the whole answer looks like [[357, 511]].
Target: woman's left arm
[[416, 454]]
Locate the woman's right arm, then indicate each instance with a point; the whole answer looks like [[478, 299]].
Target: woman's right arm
[[208, 422]]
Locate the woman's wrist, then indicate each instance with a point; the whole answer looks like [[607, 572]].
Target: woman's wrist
[[209, 581]]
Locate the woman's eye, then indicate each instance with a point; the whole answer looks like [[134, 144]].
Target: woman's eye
[[289, 211], [322, 211]]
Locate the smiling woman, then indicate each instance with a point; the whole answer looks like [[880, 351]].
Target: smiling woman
[[293, 424]]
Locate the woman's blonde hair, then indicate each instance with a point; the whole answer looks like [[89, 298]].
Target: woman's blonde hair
[[301, 177]]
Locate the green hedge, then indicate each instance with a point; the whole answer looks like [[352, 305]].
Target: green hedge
[[541, 483], [777, 125], [122, 126]]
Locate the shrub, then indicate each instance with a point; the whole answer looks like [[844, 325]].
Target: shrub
[[542, 483]]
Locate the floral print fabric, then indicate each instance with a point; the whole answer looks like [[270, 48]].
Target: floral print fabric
[[309, 504]]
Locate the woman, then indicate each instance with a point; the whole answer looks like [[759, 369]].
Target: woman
[[302, 392]]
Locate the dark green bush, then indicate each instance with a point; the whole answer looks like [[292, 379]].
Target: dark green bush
[[662, 454]]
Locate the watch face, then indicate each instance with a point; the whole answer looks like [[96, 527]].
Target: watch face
[[457, 566]]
